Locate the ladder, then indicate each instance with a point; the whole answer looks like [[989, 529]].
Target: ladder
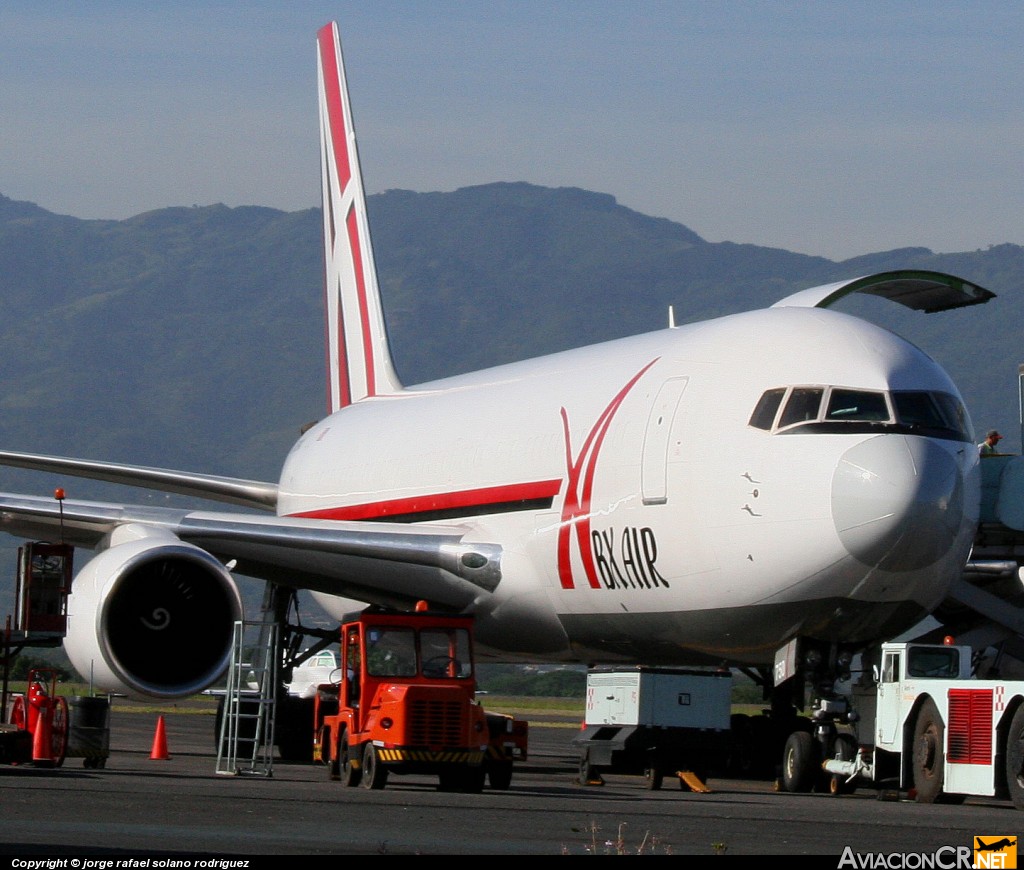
[[246, 744]]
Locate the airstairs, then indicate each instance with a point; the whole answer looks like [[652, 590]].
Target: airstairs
[[246, 744], [258, 714]]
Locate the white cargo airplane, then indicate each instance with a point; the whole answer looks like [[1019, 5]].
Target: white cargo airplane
[[701, 494]]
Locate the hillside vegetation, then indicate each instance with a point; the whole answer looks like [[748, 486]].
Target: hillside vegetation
[[192, 337]]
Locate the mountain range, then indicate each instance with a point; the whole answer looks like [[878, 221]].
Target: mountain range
[[192, 337]]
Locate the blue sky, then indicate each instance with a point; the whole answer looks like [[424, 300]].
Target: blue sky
[[827, 128]]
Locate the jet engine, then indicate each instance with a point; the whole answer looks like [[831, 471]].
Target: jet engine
[[151, 615]]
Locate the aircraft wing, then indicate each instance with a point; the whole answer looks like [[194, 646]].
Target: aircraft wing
[[250, 493], [380, 563]]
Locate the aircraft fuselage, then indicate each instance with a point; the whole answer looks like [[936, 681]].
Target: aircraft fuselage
[[641, 514]]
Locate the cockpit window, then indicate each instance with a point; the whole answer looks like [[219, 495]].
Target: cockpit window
[[856, 405], [937, 414], [767, 405], [802, 406], [956, 414], [918, 409], [806, 409]]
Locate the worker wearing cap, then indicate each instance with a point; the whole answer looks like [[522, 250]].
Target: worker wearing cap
[[988, 446]]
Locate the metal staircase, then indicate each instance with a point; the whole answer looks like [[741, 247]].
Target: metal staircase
[[246, 744]]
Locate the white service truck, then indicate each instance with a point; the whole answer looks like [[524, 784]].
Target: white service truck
[[654, 722], [921, 723]]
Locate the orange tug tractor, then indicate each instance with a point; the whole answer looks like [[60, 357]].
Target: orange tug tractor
[[406, 704]]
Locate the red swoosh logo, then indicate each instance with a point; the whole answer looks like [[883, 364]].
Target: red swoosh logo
[[579, 488]]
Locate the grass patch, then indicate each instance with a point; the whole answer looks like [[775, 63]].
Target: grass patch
[[165, 708], [524, 705], [195, 705], [521, 706], [749, 709]]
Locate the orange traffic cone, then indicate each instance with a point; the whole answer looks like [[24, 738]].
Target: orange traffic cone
[[41, 741], [159, 752]]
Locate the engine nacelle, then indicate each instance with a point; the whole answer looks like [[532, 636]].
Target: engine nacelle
[[152, 615]]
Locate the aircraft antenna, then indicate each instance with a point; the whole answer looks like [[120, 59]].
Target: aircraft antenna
[[671, 317]]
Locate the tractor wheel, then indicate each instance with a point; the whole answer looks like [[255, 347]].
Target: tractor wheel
[[928, 761], [329, 753], [375, 774], [351, 773], [1015, 759]]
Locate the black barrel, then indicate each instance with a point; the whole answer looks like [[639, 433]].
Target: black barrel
[[89, 730]]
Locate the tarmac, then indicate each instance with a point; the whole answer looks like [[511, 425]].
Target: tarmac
[[159, 798]]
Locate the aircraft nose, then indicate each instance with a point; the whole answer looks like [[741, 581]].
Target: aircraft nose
[[897, 502]]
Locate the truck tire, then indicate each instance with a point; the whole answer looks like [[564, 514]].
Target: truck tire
[[375, 774], [499, 775], [1015, 759], [329, 753], [928, 760], [351, 773], [799, 762]]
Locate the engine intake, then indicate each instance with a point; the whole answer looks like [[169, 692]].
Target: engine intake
[[153, 616]]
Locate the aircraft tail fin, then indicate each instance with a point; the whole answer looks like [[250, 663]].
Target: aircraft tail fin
[[358, 360]]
